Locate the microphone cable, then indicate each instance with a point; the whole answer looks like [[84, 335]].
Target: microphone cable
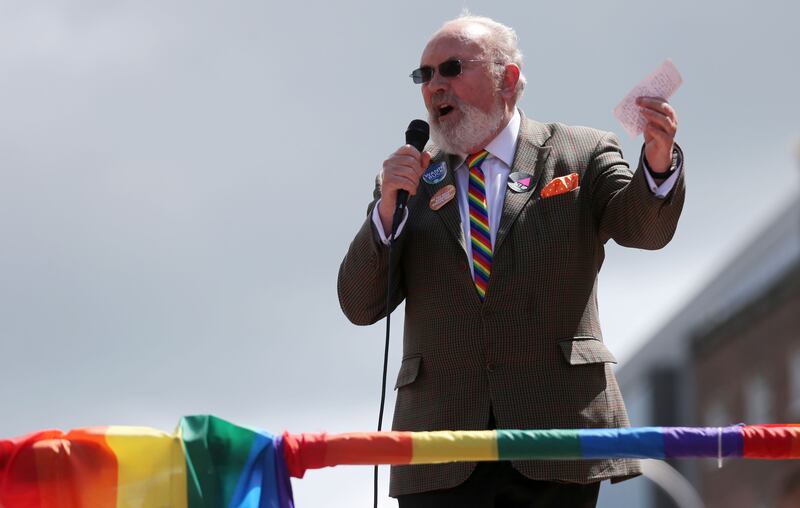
[[396, 220], [417, 135]]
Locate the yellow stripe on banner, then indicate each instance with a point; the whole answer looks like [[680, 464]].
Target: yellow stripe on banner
[[152, 468], [447, 446]]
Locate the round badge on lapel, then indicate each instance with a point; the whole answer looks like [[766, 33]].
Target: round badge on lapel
[[442, 197], [435, 174], [520, 182]]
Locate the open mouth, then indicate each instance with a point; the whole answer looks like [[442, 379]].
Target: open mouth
[[444, 109]]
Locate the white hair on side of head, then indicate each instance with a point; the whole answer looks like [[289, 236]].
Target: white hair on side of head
[[503, 45]]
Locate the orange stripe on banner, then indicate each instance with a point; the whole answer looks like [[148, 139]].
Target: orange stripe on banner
[[96, 467], [317, 450]]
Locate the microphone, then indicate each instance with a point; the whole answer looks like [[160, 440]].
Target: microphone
[[417, 136]]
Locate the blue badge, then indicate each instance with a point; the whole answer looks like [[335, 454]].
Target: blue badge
[[435, 173]]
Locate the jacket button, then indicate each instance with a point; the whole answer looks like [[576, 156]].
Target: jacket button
[[490, 367], [463, 266]]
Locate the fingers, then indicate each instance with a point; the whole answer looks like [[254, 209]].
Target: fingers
[[660, 121], [658, 147], [403, 169], [661, 124], [653, 134], [425, 161], [659, 112]]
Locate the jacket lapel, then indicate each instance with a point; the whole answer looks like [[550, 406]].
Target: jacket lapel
[[530, 157], [449, 213]]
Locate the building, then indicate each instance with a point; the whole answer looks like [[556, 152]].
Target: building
[[730, 355]]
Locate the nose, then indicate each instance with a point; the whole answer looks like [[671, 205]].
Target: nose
[[437, 84]]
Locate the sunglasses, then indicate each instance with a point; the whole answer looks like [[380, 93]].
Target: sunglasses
[[447, 69]]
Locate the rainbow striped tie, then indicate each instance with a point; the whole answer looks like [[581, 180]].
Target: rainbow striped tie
[[479, 223]]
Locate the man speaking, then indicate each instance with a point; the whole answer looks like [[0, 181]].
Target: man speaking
[[497, 259]]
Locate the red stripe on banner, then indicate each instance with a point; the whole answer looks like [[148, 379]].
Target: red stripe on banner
[[303, 451], [56, 470], [771, 441], [18, 470], [369, 448], [317, 450]]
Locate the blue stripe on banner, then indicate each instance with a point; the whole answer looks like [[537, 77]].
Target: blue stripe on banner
[[641, 442]]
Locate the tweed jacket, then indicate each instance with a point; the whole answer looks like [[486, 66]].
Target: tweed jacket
[[532, 351]]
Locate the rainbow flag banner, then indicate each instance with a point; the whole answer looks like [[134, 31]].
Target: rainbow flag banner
[[208, 462]]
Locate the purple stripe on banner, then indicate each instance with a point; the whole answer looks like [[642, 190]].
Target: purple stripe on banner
[[285, 496], [702, 441]]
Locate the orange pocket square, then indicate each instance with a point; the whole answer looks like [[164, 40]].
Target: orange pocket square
[[560, 185]]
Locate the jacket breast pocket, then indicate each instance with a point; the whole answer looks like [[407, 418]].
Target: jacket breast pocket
[[585, 350], [409, 370], [568, 195]]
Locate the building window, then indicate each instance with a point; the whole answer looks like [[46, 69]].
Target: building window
[[757, 401], [717, 415], [794, 384]]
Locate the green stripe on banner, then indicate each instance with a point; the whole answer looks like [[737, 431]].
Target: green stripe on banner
[[216, 453], [538, 444]]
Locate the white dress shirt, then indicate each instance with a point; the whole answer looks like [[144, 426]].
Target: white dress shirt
[[496, 168]]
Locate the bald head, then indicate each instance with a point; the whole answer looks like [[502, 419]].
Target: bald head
[[497, 42]]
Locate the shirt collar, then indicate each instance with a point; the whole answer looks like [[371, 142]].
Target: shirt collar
[[504, 145]]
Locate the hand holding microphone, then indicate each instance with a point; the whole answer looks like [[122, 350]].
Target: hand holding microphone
[[402, 171]]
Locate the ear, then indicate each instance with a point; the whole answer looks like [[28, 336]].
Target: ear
[[509, 83]]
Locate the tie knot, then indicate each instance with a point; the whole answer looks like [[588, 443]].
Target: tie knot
[[476, 158]]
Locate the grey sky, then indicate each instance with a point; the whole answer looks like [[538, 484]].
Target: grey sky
[[181, 179]]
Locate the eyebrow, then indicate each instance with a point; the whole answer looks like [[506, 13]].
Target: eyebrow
[[446, 60]]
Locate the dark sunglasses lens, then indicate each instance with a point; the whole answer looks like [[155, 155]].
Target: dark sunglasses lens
[[450, 68], [422, 75]]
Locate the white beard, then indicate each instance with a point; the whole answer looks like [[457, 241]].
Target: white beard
[[475, 127]]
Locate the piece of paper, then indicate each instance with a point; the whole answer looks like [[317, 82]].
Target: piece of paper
[[660, 83]]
